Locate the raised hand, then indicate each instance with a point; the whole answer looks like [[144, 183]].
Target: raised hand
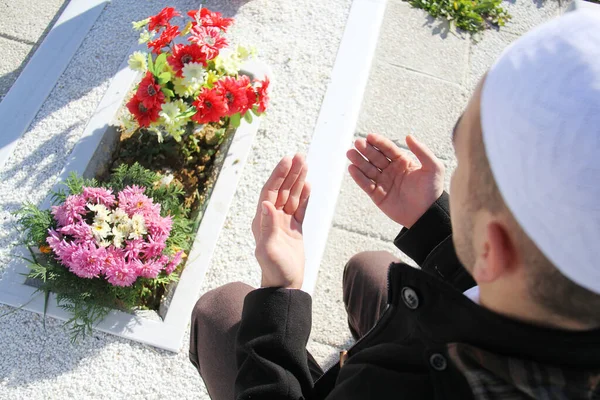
[[277, 225], [403, 188]]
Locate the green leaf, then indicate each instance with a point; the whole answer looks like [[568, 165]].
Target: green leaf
[[168, 92], [188, 113], [248, 117], [150, 63], [235, 120], [159, 64], [164, 78], [255, 111]]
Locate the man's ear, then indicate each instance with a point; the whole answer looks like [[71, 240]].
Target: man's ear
[[496, 255]]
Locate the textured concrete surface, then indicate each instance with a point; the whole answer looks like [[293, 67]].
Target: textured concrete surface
[[438, 51], [23, 27], [419, 84]]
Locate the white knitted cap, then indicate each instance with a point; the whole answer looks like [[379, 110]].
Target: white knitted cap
[[540, 115]]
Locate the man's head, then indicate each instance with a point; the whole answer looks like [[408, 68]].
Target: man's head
[[525, 191]]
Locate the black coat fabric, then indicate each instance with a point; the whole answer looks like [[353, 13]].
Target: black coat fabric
[[405, 356]]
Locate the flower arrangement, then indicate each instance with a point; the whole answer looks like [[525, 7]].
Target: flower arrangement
[[190, 77], [117, 242], [115, 245], [122, 240]]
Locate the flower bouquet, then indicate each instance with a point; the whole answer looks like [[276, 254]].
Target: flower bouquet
[[110, 246]]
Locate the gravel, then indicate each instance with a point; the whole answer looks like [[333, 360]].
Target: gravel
[[299, 39]]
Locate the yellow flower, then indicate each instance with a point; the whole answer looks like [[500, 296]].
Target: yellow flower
[[137, 25], [138, 61], [145, 36], [211, 78], [184, 90]]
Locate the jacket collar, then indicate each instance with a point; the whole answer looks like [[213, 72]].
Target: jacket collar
[[445, 315]]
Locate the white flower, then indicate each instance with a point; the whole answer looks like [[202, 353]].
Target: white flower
[[138, 61], [145, 36], [244, 53], [193, 73], [228, 62], [100, 230], [138, 227], [120, 217], [169, 112], [166, 180], [102, 213], [183, 89], [118, 235], [137, 25]]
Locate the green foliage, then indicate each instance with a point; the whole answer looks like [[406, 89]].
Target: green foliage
[[35, 223], [74, 185], [235, 120], [88, 301], [470, 15]]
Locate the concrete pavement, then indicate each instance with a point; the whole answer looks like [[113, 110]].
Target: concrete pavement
[[23, 26]]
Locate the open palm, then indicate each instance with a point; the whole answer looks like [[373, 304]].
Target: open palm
[[277, 226], [402, 187]]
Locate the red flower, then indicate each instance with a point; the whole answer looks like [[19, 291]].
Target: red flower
[[149, 92], [209, 18], [209, 39], [162, 19], [234, 94], [183, 54], [262, 91], [143, 115], [210, 107], [164, 39]]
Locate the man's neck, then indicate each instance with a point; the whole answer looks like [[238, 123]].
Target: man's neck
[[517, 305]]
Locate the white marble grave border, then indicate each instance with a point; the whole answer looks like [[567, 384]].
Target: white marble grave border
[[336, 126], [29, 92]]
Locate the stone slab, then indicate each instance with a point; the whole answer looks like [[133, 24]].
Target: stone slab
[[527, 14], [324, 354], [12, 61], [21, 19], [433, 50], [399, 102], [329, 315]]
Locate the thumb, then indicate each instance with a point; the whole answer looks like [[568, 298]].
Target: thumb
[[424, 155], [267, 220]]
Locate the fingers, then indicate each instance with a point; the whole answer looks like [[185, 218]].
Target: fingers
[[271, 188], [374, 156], [424, 155], [303, 203], [385, 146], [368, 169], [298, 164], [361, 179], [293, 201]]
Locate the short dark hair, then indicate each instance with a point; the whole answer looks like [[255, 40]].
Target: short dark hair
[[548, 287]]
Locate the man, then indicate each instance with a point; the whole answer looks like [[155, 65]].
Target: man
[[525, 224]]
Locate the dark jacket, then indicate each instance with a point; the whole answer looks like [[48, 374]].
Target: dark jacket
[[432, 342]]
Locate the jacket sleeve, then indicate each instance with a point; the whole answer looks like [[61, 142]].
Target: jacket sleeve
[[271, 345], [429, 243]]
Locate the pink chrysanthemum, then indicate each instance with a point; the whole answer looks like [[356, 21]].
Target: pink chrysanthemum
[[159, 226], [149, 269], [96, 195], [123, 273], [132, 200], [153, 247], [63, 250], [174, 262], [133, 248], [70, 211], [88, 261], [80, 231]]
